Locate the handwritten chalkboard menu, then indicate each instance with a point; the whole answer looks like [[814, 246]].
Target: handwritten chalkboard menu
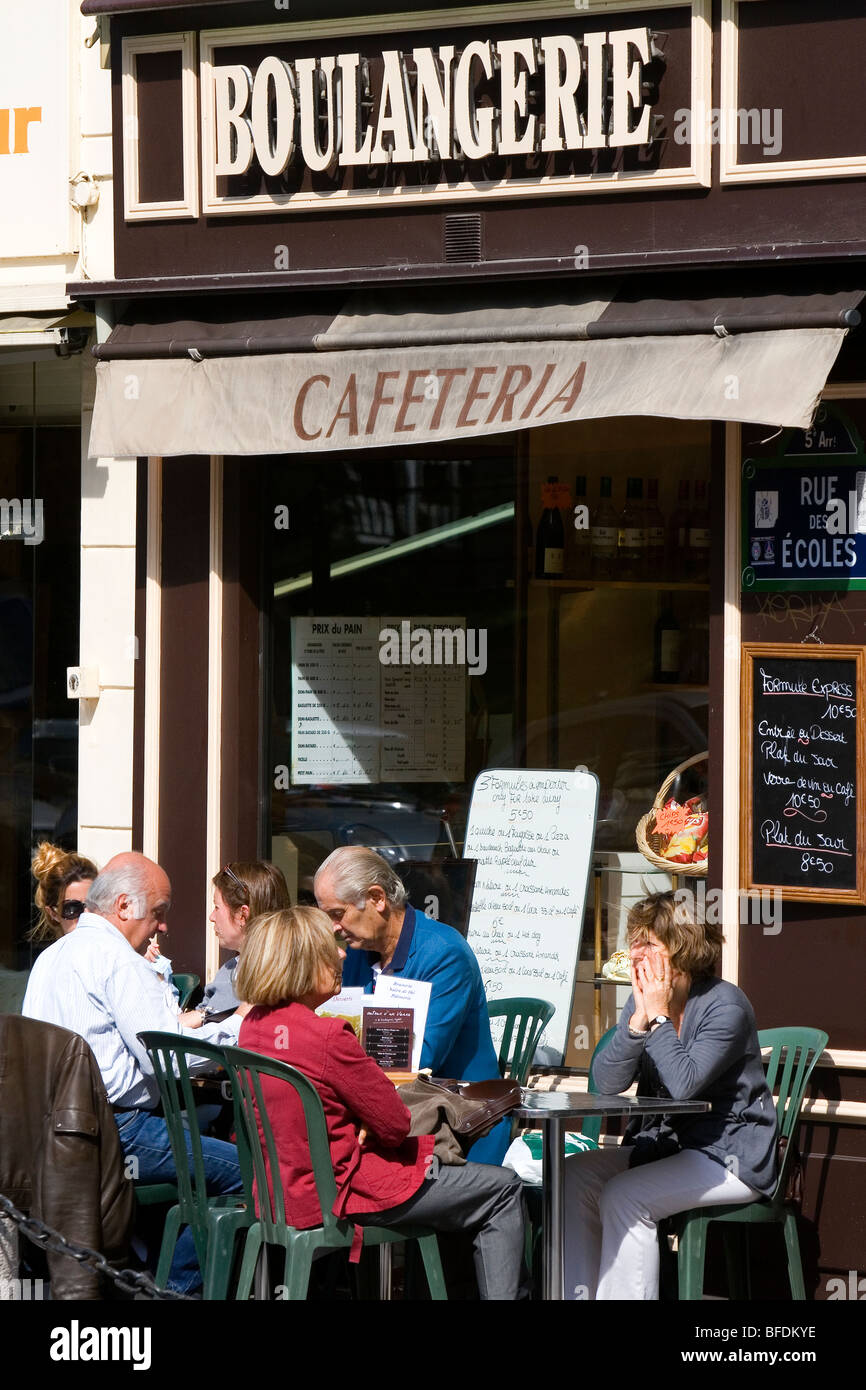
[[532, 834], [802, 792]]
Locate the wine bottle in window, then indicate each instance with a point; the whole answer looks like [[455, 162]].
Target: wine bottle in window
[[631, 548], [699, 535], [577, 533], [603, 534], [666, 653], [655, 531], [678, 534], [550, 542]]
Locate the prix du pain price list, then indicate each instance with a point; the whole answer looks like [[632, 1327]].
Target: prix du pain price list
[[357, 720], [805, 773]]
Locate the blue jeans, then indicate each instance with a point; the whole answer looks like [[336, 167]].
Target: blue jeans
[[144, 1136]]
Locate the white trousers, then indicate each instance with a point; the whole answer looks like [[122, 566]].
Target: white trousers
[[611, 1211]]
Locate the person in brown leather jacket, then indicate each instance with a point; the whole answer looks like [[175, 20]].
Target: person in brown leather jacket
[[60, 1153]]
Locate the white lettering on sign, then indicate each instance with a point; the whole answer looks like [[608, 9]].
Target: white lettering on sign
[[274, 84], [233, 88], [317, 95], [440, 104]]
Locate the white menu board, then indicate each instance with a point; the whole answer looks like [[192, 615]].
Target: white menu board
[[532, 834], [357, 718]]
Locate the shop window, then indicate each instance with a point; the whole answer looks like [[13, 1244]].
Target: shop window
[[379, 544], [40, 468], [600, 662]]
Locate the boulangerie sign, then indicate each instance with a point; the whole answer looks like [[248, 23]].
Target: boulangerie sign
[[406, 108], [320, 110]]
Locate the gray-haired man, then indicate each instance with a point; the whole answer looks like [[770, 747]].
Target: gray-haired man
[[95, 982], [367, 902]]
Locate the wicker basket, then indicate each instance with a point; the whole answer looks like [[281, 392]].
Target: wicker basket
[[649, 843]]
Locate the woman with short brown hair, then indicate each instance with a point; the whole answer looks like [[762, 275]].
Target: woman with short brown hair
[[687, 1035], [242, 891]]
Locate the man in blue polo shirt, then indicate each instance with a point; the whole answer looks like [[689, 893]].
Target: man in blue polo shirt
[[367, 902]]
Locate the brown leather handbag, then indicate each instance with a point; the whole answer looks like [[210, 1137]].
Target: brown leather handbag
[[488, 1101], [457, 1112]]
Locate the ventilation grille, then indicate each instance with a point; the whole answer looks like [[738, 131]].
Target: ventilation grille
[[463, 237]]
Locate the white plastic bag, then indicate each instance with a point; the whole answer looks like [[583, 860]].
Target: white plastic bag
[[524, 1154]]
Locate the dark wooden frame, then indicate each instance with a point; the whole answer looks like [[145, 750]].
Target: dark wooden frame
[[792, 650]]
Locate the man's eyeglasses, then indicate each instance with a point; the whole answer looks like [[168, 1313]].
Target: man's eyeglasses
[[72, 910], [240, 883]]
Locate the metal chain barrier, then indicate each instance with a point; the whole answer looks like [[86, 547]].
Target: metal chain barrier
[[129, 1280]]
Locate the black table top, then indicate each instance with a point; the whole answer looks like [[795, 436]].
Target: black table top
[[539, 1106]]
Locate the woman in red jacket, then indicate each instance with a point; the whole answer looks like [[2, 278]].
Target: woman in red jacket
[[290, 964]]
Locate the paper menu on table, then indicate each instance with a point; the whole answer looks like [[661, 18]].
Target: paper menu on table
[[398, 992], [386, 1035], [348, 1005]]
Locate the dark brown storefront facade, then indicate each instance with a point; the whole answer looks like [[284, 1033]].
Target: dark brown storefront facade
[[684, 177]]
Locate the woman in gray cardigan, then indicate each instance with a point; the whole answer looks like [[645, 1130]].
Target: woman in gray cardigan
[[688, 1035]]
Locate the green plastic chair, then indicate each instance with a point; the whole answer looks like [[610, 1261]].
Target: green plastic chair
[[525, 1021], [794, 1052], [246, 1070], [214, 1221], [186, 986]]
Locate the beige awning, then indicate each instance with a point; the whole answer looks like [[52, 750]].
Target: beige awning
[[378, 373], [43, 330]]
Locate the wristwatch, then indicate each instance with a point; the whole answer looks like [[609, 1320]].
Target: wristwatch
[[659, 1018]]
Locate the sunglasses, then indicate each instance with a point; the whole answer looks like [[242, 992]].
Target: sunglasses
[[240, 883], [72, 910]]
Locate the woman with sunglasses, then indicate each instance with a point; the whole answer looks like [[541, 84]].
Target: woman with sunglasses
[[242, 890], [62, 881]]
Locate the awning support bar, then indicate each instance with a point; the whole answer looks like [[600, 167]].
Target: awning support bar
[[559, 332]]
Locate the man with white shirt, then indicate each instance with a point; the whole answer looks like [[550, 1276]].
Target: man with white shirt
[[95, 982]]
